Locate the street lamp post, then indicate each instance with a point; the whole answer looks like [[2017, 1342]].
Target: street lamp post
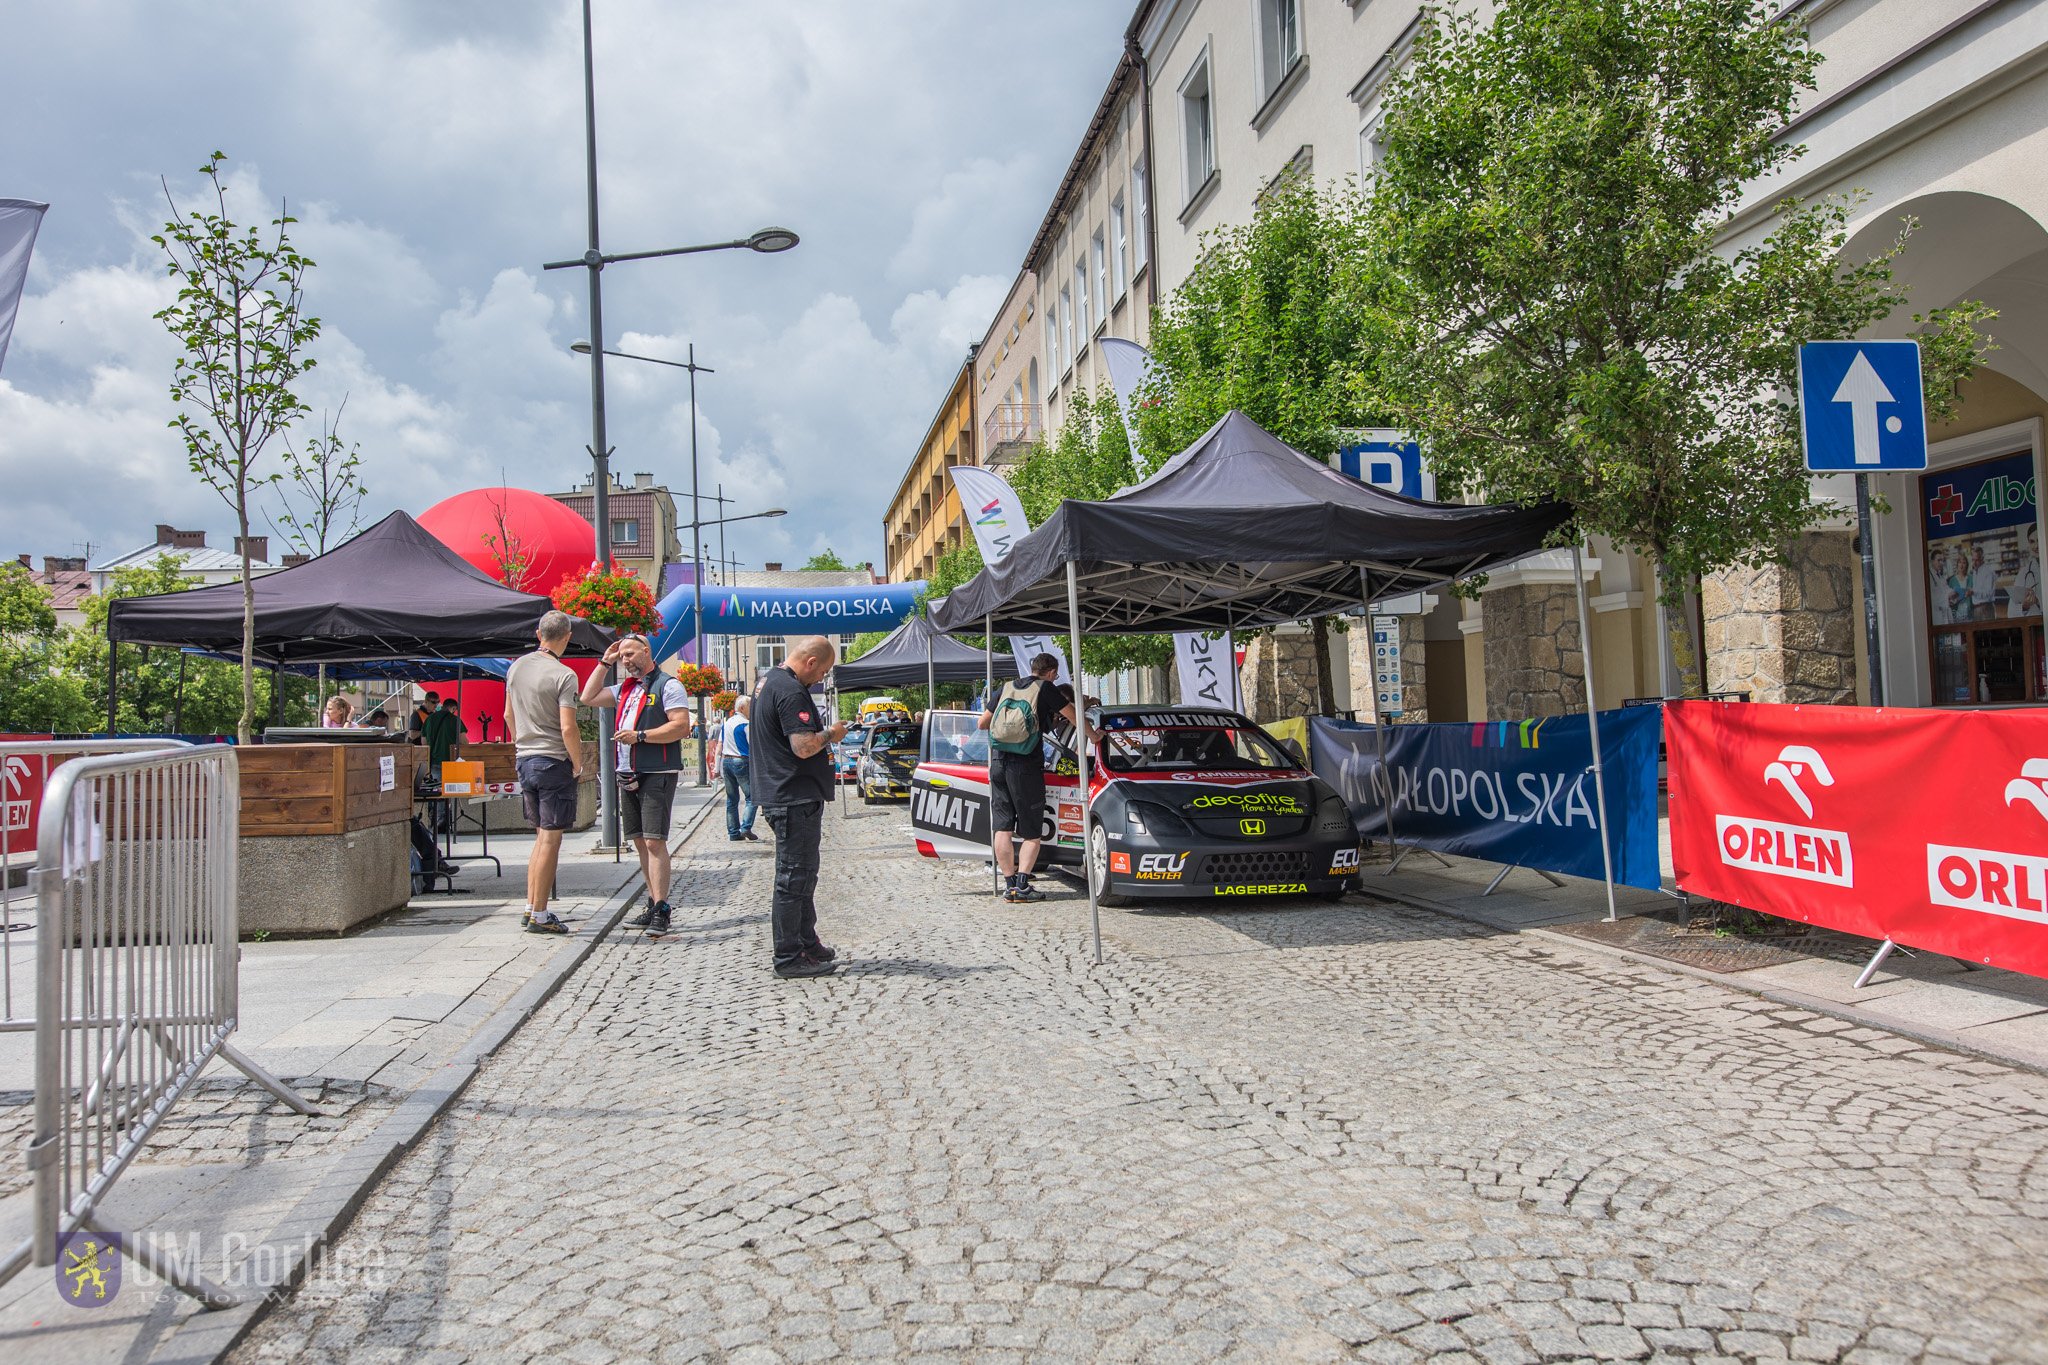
[[768, 240]]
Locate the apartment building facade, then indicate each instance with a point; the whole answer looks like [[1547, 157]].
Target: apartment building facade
[[645, 531], [1092, 255], [1009, 383], [923, 520]]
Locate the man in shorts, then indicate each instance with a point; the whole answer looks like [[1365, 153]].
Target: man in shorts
[[1016, 782], [653, 721], [540, 714]]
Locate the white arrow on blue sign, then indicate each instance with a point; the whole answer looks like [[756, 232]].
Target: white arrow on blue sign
[[1860, 406]]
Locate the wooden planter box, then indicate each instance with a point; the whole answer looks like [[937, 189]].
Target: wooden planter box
[[496, 758], [294, 789], [324, 838]]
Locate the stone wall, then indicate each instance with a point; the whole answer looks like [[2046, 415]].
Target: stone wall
[[1786, 632], [1280, 676], [1534, 666]]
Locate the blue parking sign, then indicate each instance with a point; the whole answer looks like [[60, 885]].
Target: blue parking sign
[[1860, 406], [1388, 459]]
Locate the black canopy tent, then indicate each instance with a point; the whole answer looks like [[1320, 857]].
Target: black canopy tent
[[911, 653], [393, 592], [1240, 529]]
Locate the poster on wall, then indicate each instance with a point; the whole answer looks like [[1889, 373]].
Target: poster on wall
[[1980, 525]]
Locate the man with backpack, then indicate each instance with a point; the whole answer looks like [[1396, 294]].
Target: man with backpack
[[1017, 721]]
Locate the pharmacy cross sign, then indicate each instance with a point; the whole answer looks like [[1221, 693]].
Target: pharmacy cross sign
[[1860, 407], [1946, 505]]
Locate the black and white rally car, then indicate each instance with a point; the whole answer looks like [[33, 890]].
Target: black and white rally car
[[1186, 801]]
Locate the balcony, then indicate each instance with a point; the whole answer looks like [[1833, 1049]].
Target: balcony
[[1009, 428]]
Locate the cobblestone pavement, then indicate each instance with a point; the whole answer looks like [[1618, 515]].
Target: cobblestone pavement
[[1308, 1132]]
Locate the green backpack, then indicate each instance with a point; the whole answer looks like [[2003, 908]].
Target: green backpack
[[1014, 727]]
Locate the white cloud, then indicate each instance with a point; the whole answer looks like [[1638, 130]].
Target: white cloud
[[434, 157]]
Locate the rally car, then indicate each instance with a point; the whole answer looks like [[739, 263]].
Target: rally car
[[1186, 801], [888, 758], [846, 754]]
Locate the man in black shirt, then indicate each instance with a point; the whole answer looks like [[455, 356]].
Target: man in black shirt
[[1016, 782], [790, 764]]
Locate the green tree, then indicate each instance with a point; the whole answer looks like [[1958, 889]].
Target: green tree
[[828, 558], [1271, 321], [1556, 314], [40, 697], [161, 689], [242, 329], [1087, 459]]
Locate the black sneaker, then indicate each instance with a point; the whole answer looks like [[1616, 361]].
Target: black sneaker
[[641, 920], [823, 951], [659, 923], [546, 922], [1024, 893], [750, 836], [806, 966]]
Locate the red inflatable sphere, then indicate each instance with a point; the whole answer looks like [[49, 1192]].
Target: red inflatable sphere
[[559, 543]]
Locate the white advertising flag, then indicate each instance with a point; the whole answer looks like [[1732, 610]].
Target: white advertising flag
[[997, 516], [1129, 363], [19, 219], [1208, 670]]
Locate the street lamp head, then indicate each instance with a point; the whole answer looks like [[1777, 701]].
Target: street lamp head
[[580, 346], [771, 240], [776, 512]]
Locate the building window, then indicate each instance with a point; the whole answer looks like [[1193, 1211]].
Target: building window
[[1981, 528], [1141, 207], [1198, 129], [1119, 247], [1052, 346], [1279, 43], [626, 532], [1081, 313], [769, 651], [1100, 256], [1067, 321]]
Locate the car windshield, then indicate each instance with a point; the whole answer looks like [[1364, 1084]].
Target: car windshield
[[1217, 745], [853, 739], [894, 737], [957, 738]]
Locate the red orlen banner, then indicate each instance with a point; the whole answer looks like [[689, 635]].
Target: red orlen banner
[[21, 795], [1929, 828]]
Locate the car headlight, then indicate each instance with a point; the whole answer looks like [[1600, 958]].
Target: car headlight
[[1147, 817]]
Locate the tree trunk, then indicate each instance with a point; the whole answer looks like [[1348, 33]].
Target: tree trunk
[[245, 727], [1681, 636], [1326, 686]]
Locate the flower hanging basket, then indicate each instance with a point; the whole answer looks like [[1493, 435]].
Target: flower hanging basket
[[700, 680], [725, 701], [609, 597]]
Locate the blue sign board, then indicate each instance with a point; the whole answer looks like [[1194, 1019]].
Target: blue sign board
[[1516, 792], [1860, 407], [1389, 461]]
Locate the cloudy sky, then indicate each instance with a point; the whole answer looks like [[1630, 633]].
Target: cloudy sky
[[433, 151]]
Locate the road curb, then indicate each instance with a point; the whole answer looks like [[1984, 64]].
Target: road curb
[[1946, 1039], [301, 1240]]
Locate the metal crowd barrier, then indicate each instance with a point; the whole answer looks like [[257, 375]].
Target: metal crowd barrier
[[136, 973]]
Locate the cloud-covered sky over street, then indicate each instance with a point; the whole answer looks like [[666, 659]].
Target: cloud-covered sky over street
[[433, 152]]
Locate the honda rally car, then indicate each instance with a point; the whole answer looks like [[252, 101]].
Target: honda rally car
[[1186, 801]]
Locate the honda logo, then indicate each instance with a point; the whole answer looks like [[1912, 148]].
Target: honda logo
[[1253, 828]]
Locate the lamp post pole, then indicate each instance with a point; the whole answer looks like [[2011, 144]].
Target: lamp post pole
[[600, 453], [768, 241], [697, 566]]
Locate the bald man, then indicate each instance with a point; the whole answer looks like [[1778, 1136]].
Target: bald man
[[790, 763]]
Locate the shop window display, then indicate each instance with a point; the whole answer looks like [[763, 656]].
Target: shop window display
[[1981, 528]]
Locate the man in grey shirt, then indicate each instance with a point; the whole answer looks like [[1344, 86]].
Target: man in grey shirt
[[540, 716]]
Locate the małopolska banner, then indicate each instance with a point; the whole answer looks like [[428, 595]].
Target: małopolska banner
[[783, 611], [1827, 814], [997, 516], [1517, 792]]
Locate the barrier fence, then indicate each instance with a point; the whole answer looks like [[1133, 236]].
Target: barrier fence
[[135, 983]]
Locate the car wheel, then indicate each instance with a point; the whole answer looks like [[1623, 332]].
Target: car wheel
[[1098, 867]]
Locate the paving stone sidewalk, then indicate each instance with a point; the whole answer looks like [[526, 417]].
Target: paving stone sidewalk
[[1306, 1132], [356, 1024]]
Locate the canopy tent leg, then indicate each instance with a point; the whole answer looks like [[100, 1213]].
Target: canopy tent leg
[[1081, 747], [1379, 728], [1593, 727], [988, 700], [113, 665]]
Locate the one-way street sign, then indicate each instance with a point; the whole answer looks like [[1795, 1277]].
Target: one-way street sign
[[1860, 407]]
